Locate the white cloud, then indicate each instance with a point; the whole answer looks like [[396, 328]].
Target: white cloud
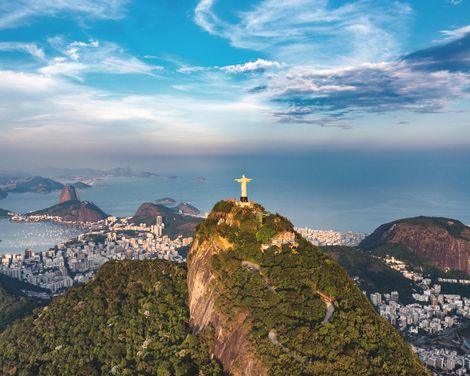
[[456, 33], [251, 66], [14, 13], [192, 69], [313, 31], [52, 109], [331, 95], [30, 48], [93, 56], [27, 83]]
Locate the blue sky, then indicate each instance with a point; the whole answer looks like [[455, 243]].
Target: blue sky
[[142, 78]]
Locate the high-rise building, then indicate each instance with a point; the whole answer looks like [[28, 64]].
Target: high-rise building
[[159, 226], [394, 296], [376, 298], [450, 363], [28, 253]]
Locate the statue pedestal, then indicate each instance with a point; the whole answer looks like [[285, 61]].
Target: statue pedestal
[[244, 199]]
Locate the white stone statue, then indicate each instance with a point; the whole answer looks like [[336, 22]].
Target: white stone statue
[[243, 181]]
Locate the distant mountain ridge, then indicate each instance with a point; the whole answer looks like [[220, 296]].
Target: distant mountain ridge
[[187, 209], [167, 201], [36, 184], [444, 242], [68, 173]]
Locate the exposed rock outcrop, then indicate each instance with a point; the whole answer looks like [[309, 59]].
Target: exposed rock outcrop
[[69, 193], [443, 241], [231, 344]]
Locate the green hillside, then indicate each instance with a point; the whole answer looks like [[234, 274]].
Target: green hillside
[[303, 314], [374, 275], [14, 303], [131, 319]]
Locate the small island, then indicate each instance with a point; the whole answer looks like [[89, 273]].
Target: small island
[[166, 201]]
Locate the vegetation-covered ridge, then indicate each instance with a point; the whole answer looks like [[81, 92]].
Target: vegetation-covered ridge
[[283, 306], [132, 319], [14, 303], [372, 273]]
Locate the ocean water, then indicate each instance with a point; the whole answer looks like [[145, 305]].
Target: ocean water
[[16, 237], [355, 191]]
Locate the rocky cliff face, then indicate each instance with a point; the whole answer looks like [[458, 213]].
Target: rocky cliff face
[[231, 345], [274, 304], [68, 193], [445, 242]]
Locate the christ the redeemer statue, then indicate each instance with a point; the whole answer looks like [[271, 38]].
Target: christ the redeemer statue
[[243, 181]]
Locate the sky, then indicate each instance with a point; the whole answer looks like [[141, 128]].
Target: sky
[[111, 81]]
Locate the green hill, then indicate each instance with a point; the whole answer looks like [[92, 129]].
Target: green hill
[[262, 301], [280, 306], [132, 319], [374, 275], [14, 303]]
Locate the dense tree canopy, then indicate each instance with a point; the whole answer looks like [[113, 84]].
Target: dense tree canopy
[[131, 319], [304, 314]]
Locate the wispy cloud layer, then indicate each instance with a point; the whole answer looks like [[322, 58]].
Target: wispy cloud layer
[[14, 13], [312, 29], [30, 48], [93, 56]]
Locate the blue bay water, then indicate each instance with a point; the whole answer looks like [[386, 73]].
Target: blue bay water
[[16, 237], [325, 191]]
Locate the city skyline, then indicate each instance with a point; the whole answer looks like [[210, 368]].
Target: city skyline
[[146, 79]]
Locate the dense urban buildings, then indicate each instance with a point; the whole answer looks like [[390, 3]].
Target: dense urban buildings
[[77, 260]]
